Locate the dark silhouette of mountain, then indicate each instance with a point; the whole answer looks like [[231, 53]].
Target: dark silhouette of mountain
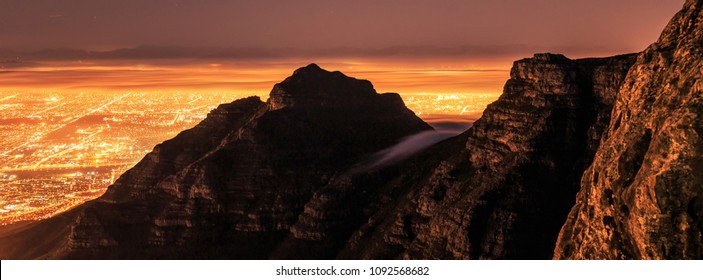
[[238, 181], [595, 158]]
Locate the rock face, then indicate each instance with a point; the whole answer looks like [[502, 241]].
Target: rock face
[[643, 196], [505, 191]]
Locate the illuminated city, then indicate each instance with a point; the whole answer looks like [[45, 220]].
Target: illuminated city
[[59, 148]]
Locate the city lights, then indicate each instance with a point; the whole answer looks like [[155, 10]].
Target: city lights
[[69, 130]]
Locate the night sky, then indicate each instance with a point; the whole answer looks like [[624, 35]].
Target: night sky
[[604, 26]]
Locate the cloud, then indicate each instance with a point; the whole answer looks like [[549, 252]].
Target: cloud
[[411, 145]]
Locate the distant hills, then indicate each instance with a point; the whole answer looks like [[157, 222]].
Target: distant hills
[[170, 52]]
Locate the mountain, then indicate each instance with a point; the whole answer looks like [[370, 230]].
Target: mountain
[[597, 158], [643, 196], [505, 190], [578, 159], [235, 185]]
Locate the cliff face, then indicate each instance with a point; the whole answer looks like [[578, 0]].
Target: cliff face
[[643, 196], [506, 190]]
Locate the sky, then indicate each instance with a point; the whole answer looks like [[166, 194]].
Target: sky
[[485, 27], [407, 46]]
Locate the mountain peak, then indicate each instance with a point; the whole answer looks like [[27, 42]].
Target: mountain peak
[[312, 85], [550, 57], [310, 68], [314, 71]]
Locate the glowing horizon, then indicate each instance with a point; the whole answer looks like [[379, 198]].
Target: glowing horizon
[[253, 78]]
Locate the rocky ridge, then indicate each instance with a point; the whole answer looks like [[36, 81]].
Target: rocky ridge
[[505, 191]]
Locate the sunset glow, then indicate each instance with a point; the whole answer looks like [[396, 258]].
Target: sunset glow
[[252, 77]]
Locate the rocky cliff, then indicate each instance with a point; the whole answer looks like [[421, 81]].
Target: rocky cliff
[[505, 191], [643, 196]]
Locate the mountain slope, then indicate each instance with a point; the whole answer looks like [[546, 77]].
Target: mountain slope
[[236, 183], [50, 238]]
